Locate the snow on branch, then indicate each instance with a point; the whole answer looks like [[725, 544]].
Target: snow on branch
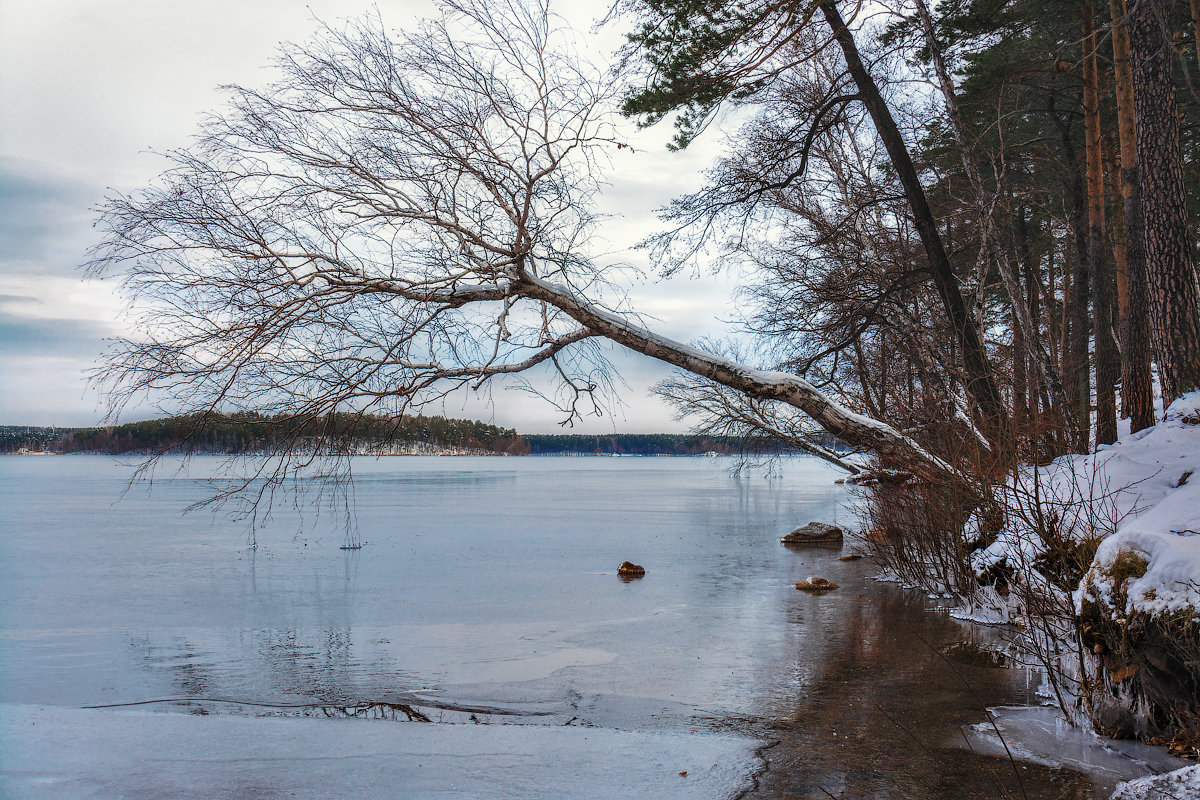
[[399, 216]]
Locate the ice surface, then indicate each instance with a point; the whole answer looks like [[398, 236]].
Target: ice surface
[[73, 754], [491, 579], [484, 583], [1040, 734]]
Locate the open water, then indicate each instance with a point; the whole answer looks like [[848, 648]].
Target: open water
[[486, 590]]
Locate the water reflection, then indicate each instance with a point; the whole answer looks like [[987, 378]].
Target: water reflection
[[880, 711], [491, 586]]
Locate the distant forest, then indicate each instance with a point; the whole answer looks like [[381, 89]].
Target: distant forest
[[249, 433], [640, 444]]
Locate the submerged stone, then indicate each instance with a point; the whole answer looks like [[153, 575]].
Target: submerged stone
[[814, 533], [974, 655], [814, 584]]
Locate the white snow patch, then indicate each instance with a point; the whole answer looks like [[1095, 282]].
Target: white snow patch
[[1178, 785], [52, 752], [1172, 579], [1142, 494]]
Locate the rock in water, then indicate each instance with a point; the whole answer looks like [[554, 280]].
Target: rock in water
[[814, 584], [630, 570], [814, 533]]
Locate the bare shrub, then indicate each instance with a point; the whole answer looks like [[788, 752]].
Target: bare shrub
[[918, 533], [1054, 528]]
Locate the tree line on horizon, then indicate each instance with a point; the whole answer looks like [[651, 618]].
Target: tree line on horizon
[[252, 433], [249, 432]]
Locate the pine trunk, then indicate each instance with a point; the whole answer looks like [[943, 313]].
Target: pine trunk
[[1169, 269], [1137, 393], [1077, 320], [1108, 368], [1196, 26]]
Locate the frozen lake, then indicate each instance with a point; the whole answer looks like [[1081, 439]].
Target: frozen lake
[[486, 592]]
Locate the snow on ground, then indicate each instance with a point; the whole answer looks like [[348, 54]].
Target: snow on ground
[[1147, 487], [1161, 468], [1142, 495], [76, 754], [1178, 785]]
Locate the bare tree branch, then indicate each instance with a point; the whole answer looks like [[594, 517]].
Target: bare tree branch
[[397, 218]]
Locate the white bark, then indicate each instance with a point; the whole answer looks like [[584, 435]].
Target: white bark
[[392, 221], [855, 429]]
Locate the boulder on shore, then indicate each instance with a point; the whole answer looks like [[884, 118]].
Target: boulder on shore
[[630, 570], [814, 533], [814, 584]]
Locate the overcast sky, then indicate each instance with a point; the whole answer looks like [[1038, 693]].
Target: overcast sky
[[89, 87]]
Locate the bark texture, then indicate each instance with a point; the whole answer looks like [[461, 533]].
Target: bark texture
[[1076, 325], [1106, 358], [1136, 383], [1170, 271]]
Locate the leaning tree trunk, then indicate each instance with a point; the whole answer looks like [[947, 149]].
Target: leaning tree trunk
[[979, 378], [1108, 365], [1027, 340], [1171, 274], [852, 428], [1137, 393]]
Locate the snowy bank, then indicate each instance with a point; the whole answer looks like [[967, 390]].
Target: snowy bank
[[53, 752], [1139, 493], [1130, 511], [1177, 785], [1157, 475], [1100, 563]]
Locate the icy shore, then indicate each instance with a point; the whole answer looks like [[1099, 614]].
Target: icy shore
[[54, 752], [1136, 504]]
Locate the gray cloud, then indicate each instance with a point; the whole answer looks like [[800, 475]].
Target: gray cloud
[[45, 217], [34, 336]]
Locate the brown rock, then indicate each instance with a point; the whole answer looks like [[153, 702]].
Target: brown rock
[[814, 584], [851, 557], [814, 533], [629, 569]]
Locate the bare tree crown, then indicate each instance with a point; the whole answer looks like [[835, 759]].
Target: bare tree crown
[[395, 218], [349, 237]]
